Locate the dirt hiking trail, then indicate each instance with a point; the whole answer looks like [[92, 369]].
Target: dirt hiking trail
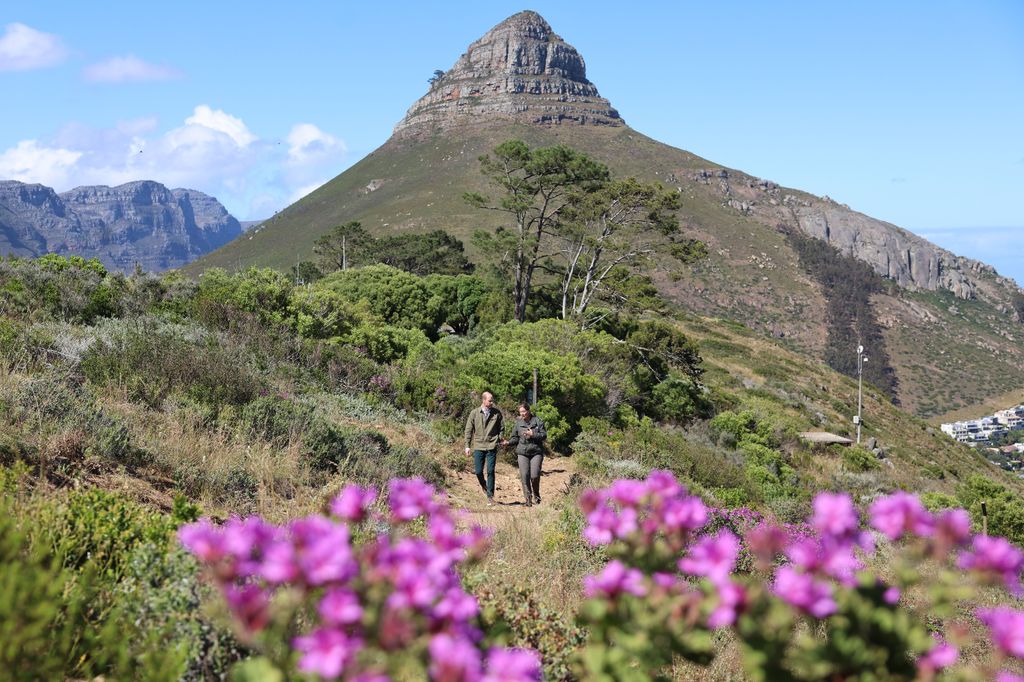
[[464, 491]]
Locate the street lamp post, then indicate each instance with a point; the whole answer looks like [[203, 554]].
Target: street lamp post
[[861, 359]]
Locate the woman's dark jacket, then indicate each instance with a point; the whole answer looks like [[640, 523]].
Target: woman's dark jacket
[[528, 446]]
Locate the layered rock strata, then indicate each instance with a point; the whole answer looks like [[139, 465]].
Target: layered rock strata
[[520, 70], [140, 223]]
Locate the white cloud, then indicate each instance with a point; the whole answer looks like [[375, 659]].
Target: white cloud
[[211, 151], [215, 119], [30, 162], [23, 48], [307, 143], [303, 191], [128, 68]]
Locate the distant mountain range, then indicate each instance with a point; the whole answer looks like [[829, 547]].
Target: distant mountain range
[[950, 326], [139, 223]]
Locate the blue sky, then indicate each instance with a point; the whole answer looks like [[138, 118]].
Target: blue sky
[[912, 112]]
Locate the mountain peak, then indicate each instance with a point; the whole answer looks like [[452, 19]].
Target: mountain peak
[[520, 70]]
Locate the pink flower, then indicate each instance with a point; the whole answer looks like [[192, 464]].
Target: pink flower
[[997, 557], [1007, 627], [601, 523], [662, 483], [1007, 676], [340, 607], [410, 498], [326, 652], [457, 606], [804, 592], [731, 599], [353, 503], [453, 659], [941, 655], [684, 514], [280, 564], [627, 492], [203, 539], [834, 515], [512, 665], [765, 541], [614, 580], [322, 550], [712, 557], [891, 595], [249, 604], [900, 513], [953, 527]]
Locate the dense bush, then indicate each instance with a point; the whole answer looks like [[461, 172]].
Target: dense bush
[[57, 287], [72, 589], [1005, 508], [55, 402], [395, 297], [149, 364]]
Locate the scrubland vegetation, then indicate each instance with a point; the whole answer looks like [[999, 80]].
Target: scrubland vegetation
[[134, 404]]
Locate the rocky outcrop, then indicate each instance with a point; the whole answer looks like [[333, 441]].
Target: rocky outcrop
[[909, 260], [140, 223], [520, 70]]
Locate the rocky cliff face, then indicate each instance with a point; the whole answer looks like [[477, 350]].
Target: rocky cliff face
[[909, 260], [138, 222], [519, 70]]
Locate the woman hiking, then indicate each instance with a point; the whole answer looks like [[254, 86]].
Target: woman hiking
[[527, 437]]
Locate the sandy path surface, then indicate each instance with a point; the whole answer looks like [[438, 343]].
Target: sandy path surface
[[464, 491]]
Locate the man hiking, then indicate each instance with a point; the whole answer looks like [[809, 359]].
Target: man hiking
[[483, 431]]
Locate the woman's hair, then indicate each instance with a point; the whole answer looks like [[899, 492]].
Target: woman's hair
[[525, 406]]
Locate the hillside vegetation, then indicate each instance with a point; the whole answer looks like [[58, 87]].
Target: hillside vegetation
[[753, 272], [131, 404]]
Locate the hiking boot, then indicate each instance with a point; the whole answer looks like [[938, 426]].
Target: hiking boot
[[490, 501], [536, 500], [529, 503]]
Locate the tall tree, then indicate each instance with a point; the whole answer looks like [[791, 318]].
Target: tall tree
[[537, 185], [621, 225], [344, 246]]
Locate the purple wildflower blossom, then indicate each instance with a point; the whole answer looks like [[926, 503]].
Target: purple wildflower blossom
[[1007, 627], [712, 557], [804, 592], [326, 652], [900, 513], [512, 665], [995, 557], [614, 580], [453, 659], [353, 503]]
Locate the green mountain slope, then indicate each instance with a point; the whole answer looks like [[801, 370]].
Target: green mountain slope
[[951, 327]]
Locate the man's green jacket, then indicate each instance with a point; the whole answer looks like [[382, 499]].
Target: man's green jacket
[[483, 433]]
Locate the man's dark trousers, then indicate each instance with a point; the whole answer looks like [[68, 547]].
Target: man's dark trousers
[[479, 457]]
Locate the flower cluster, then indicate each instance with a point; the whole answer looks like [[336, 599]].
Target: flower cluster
[[372, 601], [816, 569]]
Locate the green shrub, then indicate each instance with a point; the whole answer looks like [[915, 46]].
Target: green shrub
[[859, 459], [150, 364], [101, 528], [513, 617], [55, 624], [318, 313], [51, 401], [387, 343], [262, 292], [677, 399], [1005, 508], [396, 297]]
